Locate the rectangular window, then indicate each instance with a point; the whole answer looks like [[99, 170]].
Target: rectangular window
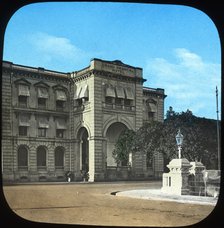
[[118, 101], [42, 132], [42, 103], [79, 102], [127, 102], [59, 105], [22, 101], [108, 100], [60, 133], [22, 131], [150, 115]]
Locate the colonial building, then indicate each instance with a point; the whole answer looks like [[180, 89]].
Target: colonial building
[[55, 122]]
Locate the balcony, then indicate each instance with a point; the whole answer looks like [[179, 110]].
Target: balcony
[[42, 168], [23, 168], [120, 107], [59, 168]]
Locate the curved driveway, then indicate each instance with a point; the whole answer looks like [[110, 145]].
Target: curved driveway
[[93, 204]]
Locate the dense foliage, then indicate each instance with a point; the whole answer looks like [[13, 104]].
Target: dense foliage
[[200, 139], [123, 147]]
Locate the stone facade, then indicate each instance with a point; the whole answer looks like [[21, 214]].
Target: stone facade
[[55, 122]]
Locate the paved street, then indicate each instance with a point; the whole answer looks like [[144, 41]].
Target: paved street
[[93, 204]]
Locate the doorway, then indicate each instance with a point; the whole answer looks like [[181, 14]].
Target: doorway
[[84, 150]]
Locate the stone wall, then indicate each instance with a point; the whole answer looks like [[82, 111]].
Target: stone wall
[[7, 161]]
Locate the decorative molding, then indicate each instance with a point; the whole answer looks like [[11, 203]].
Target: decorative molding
[[117, 119], [22, 81], [59, 87], [41, 84]]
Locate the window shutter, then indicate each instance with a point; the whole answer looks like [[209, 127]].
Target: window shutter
[[84, 92], [43, 123], [120, 92], [60, 95], [110, 92], [61, 124], [24, 90], [42, 93], [129, 94], [24, 121]]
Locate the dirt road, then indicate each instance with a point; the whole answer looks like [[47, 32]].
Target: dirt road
[[93, 204]]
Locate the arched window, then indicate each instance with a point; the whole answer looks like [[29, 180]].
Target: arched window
[[22, 158], [59, 158], [41, 157]]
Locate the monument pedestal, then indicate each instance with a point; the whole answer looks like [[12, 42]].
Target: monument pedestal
[[176, 181]]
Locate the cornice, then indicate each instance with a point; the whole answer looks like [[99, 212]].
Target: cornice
[[106, 74], [118, 76], [40, 112], [36, 74], [82, 77]]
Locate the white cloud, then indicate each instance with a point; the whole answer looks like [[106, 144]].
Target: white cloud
[[189, 81], [53, 47], [189, 59]]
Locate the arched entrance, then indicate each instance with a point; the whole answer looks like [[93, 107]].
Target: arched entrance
[[83, 136], [112, 135]]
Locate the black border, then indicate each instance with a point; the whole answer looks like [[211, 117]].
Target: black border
[[213, 8]]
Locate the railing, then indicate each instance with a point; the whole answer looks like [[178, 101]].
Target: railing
[[108, 105], [40, 106], [40, 168], [199, 188], [22, 105], [118, 106], [82, 107], [59, 167], [59, 108], [22, 168]]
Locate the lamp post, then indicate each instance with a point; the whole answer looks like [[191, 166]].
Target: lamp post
[[179, 140], [218, 136]]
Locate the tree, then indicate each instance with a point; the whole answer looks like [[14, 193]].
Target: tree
[[199, 138], [200, 141], [146, 139], [123, 147]]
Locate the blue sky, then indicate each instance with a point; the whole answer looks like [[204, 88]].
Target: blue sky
[[178, 47]]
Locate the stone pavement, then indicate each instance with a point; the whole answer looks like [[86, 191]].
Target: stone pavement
[[156, 194]]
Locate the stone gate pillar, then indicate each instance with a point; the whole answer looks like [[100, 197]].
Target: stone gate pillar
[[176, 181]]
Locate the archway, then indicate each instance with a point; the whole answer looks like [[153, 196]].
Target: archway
[[83, 136], [112, 135]]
